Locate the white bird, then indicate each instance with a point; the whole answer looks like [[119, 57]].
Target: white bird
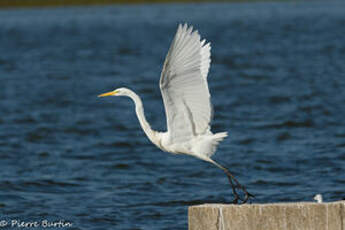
[[186, 98]]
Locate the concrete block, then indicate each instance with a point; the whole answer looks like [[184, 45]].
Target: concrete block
[[277, 216]]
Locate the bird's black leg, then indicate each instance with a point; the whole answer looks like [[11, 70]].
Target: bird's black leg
[[237, 197], [231, 178], [234, 184]]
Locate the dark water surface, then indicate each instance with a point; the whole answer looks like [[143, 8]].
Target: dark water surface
[[277, 82]]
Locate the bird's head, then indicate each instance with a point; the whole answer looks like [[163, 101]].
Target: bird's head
[[116, 92]]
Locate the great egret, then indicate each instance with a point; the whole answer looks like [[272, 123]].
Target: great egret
[[186, 98]]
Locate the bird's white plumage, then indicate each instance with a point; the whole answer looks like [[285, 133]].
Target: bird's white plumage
[[184, 86], [186, 98], [188, 108]]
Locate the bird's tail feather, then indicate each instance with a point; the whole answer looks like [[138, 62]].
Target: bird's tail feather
[[207, 145], [220, 136], [216, 138]]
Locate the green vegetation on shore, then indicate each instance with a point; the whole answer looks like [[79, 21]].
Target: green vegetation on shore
[[32, 3]]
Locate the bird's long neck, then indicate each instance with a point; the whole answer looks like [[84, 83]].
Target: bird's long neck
[[139, 109]]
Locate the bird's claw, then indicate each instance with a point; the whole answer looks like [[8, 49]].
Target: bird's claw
[[237, 186], [247, 195]]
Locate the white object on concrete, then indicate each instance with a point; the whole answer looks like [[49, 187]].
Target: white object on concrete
[[318, 198]]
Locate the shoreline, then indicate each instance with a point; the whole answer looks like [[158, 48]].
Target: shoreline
[[53, 3]]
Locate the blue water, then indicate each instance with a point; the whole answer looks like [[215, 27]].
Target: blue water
[[277, 82]]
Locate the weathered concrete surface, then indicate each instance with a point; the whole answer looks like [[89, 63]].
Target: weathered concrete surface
[[278, 216]]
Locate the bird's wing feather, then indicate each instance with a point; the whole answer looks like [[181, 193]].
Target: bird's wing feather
[[183, 85]]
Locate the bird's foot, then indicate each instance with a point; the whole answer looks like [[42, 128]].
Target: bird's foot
[[247, 195], [238, 198], [235, 186]]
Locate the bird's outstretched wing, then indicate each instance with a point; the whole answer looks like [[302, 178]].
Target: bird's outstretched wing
[[183, 85]]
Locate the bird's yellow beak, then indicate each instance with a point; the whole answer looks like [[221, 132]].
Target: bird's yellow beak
[[108, 94]]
